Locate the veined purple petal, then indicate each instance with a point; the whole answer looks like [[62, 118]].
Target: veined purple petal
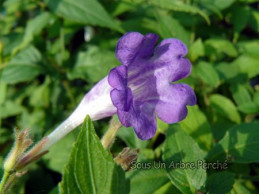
[[127, 47], [117, 77], [170, 48], [173, 100], [145, 125], [169, 58], [134, 44], [122, 99], [143, 121]]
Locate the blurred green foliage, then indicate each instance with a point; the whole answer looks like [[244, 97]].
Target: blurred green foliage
[[52, 53]]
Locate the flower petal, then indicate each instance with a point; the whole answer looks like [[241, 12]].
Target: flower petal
[[117, 77], [128, 46], [170, 61], [145, 123], [134, 44], [173, 101], [170, 48], [147, 46], [142, 119], [122, 99]]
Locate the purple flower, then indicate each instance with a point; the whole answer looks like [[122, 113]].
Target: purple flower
[[138, 90], [142, 85]]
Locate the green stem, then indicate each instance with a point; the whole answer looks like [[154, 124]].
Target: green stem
[[4, 181], [110, 135]]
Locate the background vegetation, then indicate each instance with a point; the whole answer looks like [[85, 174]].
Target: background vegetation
[[53, 52]]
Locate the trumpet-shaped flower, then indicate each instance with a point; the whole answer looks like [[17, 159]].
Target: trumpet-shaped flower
[[138, 90], [142, 85]]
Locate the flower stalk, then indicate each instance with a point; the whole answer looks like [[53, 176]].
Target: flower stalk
[[110, 135]]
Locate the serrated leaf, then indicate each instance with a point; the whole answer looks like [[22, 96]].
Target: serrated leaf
[[180, 147], [198, 127], [225, 107], [91, 168], [240, 144], [85, 12], [220, 183]]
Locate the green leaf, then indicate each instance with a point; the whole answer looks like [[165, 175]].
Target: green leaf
[[11, 41], [220, 126], [169, 27], [152, 181], [247, 65], [243, 187], [198, 127], [249, 47], [225, 107], [254, 19], [85, 12], [249, 108], [33, 28], [223, 4], [180, 6], [91, 168], [10, 108], [241, 69], [239, 18], [196, 50], [256, 97], [23, 67], [207, 73], [243, 99], [240, 94], [3, 91], [240, 144], [180, 147], [93, 65], [220, 183], [221, 46], [227, 72], [58, 155]]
